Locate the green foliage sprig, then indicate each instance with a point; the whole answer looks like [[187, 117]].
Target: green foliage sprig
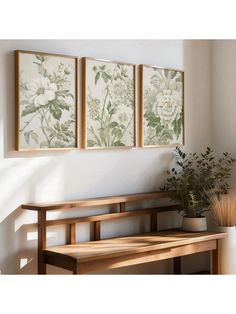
[[112, 114], [194, 175]]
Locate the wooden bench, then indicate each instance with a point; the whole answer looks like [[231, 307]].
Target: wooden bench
[[97, 255]]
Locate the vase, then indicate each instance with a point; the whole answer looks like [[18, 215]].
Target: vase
[[196, 224], [227, 251]]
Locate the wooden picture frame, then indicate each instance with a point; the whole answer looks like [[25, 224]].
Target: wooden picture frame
[[161, 106], [108, 104], [46, 99]]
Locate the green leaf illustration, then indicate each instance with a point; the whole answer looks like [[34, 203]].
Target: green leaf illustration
[[91, 143], [42, 70], [31, 134], [56, 112], [40, 58], [97, 77], [64, 105], [105, 77], [27, 137], [35, 137], [177, 125], [116, 132], [118, 143], [113, 124], [152, 119], [166, 136], [28, 110]]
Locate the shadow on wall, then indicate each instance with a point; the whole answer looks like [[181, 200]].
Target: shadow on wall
[[17, 250], [16, 260], [19, 243]]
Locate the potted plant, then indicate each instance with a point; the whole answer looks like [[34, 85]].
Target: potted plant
[[192, 176], [223, 209]]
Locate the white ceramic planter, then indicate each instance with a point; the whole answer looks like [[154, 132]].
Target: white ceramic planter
[[194, 224], [227, 251]]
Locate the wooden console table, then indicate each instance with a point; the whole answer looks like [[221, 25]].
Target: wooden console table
[[97, 255]]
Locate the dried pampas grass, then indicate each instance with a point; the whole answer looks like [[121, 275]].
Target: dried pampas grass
[[223, 208]]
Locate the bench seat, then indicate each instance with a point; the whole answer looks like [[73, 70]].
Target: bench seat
[[94, 256], [98, 255]]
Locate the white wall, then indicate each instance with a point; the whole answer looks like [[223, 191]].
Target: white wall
[[224, 97], [54, 176]]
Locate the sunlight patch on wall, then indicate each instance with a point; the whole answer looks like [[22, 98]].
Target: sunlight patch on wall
[[14, 176], [27, 217], [51, 187], [24, 262], [34, 235]]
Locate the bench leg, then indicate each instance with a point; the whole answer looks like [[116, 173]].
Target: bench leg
[[41, 264], [177, 265], [41, 241], [75, 269], [214, 261]]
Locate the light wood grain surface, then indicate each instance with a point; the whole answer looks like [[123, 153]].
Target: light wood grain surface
[[109, 248], [98, 201]]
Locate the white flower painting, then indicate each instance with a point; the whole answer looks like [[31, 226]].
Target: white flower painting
[[162, 106], [46, 101]]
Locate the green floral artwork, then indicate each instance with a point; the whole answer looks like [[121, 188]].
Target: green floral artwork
[[110, 102], [47, 101], [162, 106]]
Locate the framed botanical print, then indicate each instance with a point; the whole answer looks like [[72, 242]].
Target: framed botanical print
[[46, 101], [162, 106], [108, 104]]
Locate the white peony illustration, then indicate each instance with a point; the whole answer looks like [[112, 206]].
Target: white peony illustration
[[41, 91], [168, 107]]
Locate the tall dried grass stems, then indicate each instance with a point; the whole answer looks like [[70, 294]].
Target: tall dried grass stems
[[223, 208]]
